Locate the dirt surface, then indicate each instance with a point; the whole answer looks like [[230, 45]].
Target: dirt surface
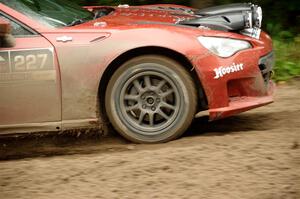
[[252, 155]]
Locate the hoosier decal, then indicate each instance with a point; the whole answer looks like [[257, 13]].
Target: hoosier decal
[[221, 71]]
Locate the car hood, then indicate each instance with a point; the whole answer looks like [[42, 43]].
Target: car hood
[[140, 15], [244, 18]]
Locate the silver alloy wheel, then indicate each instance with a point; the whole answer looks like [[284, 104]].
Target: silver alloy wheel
[[149, 102]]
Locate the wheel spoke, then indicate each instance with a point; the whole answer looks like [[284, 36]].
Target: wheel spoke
[[137, 85], [167, 105], [168, 92], [147, 82], [161, 83], [151, 119], [131, 108], [131, 97], [141, 117], [161, 113]]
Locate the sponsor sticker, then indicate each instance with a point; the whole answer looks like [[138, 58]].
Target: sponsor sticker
[[223, 70]]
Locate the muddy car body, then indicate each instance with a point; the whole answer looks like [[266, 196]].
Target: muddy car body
[[150, 69]]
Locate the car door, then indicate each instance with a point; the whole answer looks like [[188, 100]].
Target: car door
[[30, 92]]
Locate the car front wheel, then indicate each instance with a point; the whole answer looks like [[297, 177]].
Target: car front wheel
[[151, 99]]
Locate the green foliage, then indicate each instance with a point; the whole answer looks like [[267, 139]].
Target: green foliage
[[287, 58]]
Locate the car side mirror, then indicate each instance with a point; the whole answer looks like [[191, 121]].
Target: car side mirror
[[6, 38]]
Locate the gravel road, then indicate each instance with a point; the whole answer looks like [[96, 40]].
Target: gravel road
[[251, 155]]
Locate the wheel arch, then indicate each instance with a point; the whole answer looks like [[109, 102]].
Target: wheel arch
[[149, 50]]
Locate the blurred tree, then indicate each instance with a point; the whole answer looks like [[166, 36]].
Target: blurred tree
[[201, 4]]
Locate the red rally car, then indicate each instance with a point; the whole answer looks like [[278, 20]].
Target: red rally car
[[147, 70]]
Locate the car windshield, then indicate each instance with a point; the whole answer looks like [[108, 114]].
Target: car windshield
[[52, 13]]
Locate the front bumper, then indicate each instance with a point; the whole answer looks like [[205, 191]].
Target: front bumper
[[237, 84], [241, 104]]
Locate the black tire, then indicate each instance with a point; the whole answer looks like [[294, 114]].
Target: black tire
[[151, 99]]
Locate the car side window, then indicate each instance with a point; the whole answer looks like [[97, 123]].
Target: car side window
[[16, 29]]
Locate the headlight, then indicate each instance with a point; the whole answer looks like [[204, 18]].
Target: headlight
[[223, 47]]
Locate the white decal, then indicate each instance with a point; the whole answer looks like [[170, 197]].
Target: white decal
[[30, 62], [44, 58], [19, 63], [2, 59], [221, 71]]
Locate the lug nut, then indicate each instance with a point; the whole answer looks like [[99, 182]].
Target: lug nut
[[150, 100]]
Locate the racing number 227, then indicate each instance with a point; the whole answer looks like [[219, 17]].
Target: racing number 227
[[30, 62]]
